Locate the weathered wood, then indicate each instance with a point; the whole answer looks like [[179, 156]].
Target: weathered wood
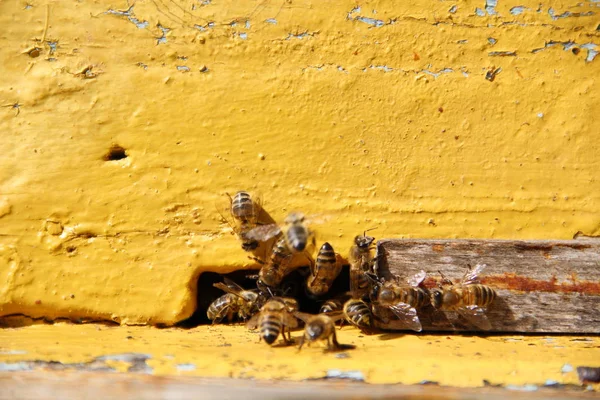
[[87, 385], [542, 286]]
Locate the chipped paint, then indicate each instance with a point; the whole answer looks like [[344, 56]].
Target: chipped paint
[[233, 351], [346, 114]]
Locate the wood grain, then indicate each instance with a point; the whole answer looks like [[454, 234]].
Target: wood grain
[[548, 286]]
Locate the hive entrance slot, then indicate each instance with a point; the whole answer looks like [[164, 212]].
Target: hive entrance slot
[[292, 286]]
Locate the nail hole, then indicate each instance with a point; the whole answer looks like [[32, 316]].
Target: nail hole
[[115, 153]]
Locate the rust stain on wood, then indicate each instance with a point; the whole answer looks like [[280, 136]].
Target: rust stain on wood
[[513, 281]]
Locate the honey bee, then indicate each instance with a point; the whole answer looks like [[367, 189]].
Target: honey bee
[[274, 270], [403, 300], [326, 269], [242, 215], [359, 314], [296, 232], [468, 297], [236, 300], [331, 306], [321, 327], [361, 265], [274, 317]]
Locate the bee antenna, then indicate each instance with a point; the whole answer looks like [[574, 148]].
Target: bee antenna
[[370, 229], [444, 279]]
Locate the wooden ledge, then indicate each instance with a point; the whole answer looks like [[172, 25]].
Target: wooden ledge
[[550, 286]]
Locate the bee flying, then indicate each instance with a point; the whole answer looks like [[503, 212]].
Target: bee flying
[[242, 215]]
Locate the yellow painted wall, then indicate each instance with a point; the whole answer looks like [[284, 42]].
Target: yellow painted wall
[[316, 105]]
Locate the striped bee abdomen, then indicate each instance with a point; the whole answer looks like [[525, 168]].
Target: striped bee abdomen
[[242, 206], [297, 237], [478, 295], [358, 313], [270, 327], [331, 305], [414, 296], [326, 256], [224, 306]]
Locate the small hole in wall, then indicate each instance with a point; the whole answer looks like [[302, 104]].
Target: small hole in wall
[[292, 286], [115, 153]]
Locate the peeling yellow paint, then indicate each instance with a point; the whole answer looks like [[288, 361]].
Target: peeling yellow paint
[[233, 351], [378, 115]]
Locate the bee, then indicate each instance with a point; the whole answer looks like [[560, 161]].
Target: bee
[[296, 232], [274, 317], [331, 306], [359, 314], [235, 301], [403, 300], [242, 216], [274, 270], [321, 327], [468, 297], [326, 269], [361, 265]]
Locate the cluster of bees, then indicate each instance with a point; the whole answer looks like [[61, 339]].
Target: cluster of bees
[[371, 301]]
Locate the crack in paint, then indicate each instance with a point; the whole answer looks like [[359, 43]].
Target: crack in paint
[[163, 37], [568, 14], [129, 14], [570, 45], [502, 54], [517, 10], [136, 361]]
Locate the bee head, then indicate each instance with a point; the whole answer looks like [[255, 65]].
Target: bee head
[[249, 244], [437, 297], [314, 330], [363, 242]]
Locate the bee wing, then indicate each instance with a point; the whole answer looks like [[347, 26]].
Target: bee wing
[[263, 232], [335, 315], [315, 219], [227, 288], [476, 316], [289, 320], [253, 322], [354, 279], [407, 315], [417, 279], [223, 206], [232, 285], [472, 276], [303, 316]]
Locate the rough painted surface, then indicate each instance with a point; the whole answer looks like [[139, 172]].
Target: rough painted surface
[[527, 363], [444, 119]]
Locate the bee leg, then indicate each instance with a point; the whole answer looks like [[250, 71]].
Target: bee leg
[[258, 260], [287, 339], [301, 342]]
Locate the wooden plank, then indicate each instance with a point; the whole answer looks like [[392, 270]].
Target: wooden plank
[[87, 385], [542, 285]]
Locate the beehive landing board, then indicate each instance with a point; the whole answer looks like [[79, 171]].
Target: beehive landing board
[[542, 285]]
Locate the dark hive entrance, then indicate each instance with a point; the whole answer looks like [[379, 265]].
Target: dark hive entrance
[[292, 286]]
